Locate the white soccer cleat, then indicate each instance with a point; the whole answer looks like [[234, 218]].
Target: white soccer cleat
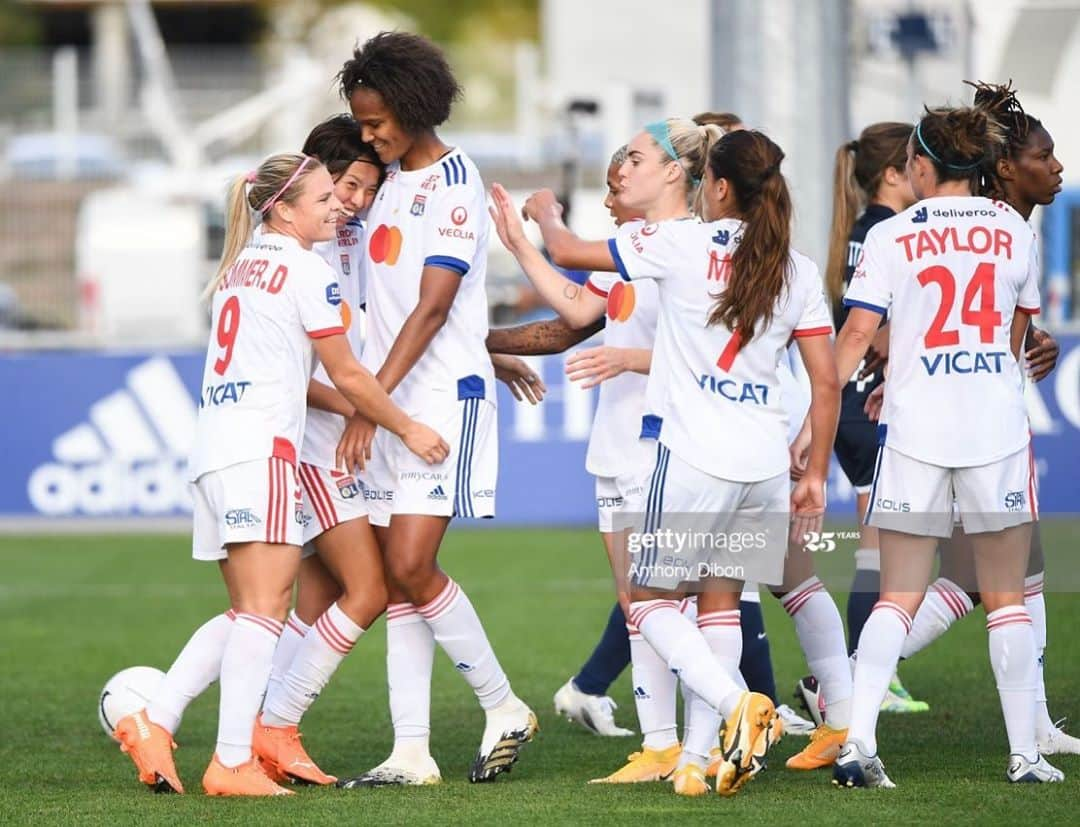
[[854, 768], [509, 727], [794, 723], [397, 771], [1022, 771], [594, 712], [808, 694], [1057, 742]]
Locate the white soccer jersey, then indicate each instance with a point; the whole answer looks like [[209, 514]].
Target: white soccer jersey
[[951, 272], [323, 429], [436, 216], [614, 445], [273, 301], [720, 406]]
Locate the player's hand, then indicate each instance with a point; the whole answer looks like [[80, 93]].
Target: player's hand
[[523, 381], [505, 217], [878, 353], [799, 452], [593, 365], [354, 447], [425, 443], [807, 508], [1041, 355], [874, 403], [541, 203]]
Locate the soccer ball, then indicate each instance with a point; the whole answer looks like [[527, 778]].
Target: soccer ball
[[126, 692]]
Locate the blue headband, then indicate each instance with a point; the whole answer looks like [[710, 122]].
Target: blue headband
[[926, 149], [658, 130]]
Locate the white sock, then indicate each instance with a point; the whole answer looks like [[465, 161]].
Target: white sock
[[410, 656], [944, 604], [867, 559], [1012, 657], [245, 668], [319, 657], [821, 636], [879, 652], [682, 646], [654, 693], [457, 629], [287, 647], [196, 667], [1035, 603], [722, 632]]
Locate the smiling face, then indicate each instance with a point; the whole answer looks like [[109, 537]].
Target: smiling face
[[1034, 175], [378, 125], [644, 174], [312, 217], [356, 189]]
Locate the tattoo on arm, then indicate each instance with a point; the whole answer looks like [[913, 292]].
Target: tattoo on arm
[[539, 338], [571, 291]]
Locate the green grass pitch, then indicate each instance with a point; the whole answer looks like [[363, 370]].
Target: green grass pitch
[[76, 609]]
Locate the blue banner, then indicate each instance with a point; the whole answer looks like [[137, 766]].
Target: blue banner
[[107, 435]]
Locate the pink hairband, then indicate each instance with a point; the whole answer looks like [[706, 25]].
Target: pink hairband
[[289, 183]]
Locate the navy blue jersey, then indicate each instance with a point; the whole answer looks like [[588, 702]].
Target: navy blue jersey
[[854, 393]]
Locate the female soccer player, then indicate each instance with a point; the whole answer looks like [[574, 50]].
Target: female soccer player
[[275, 307], [959, 277], [1026, 174], [868, 170], [736, 441], [427, 313]]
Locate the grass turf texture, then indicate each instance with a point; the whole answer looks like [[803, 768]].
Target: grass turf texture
[[76, 609]]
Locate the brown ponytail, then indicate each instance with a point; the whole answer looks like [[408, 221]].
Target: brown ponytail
[[958, 142], [860, 165], [759, 266]]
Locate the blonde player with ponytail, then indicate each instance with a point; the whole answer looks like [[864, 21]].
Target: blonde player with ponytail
[[274, 307]]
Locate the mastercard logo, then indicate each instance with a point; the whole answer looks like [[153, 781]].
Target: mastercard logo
[[620, 301], [385, 245]]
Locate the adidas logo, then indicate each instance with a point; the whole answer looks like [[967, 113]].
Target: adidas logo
[[639, 692], [437, 493], [920, 216], [131, 454], [463, 667]]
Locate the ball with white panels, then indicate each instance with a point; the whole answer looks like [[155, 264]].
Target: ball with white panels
[[126, 692]]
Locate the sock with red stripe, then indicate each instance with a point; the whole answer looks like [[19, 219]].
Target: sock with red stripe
[[723, 633], [821, 636], [654, 693], [196, 667], [287, 647], [410, 656], [944, 604], [458, 630], [245, 668], [1035, 603], [331, 638], [1012, 657], [684, 649], [879, 652]]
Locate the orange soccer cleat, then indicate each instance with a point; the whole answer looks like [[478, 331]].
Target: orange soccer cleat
[[246, 779], [284, 757], [151, 747]]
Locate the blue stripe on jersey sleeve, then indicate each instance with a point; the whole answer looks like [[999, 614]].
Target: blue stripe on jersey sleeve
[[614, 248], [446, 173], [461, 166], [448, 263], [865, 305]]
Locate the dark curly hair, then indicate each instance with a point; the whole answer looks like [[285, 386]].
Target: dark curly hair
[[337, 143], [409, 72], [1000, 102]]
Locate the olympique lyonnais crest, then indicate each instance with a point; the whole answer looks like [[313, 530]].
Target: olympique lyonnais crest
[[418, 205]]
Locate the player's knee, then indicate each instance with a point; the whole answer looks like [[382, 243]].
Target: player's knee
[[365, 605], [411, 574]]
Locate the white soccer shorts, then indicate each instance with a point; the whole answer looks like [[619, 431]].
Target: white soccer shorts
[[616, 497], [257, 501], [696, 526], [916, 497], [331, 497], [396, 481]]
